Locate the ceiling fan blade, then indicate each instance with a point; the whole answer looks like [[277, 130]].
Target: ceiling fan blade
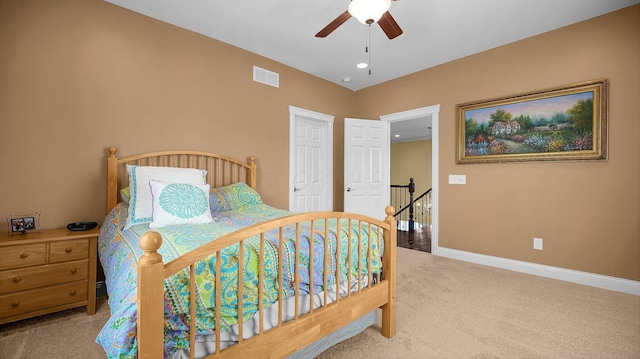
[[389, 26], [334, 24]]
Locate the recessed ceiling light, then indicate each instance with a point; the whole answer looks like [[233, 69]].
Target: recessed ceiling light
[[346, 79], [362, 65], [396, 136]]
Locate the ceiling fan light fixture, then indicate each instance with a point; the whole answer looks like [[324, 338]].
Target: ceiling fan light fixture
[[368, 11]]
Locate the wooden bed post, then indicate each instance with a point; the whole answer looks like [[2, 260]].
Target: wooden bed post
[[150, 305], [389, 265], [251, 180], [112, 178]]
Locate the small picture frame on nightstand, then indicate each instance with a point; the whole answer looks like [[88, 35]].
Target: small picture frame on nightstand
[[21, 224]]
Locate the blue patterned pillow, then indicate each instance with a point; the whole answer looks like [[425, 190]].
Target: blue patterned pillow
[[179, 203], [233, 197], [140, 205]]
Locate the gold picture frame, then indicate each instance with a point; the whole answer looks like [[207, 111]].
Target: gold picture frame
[[556, 124]]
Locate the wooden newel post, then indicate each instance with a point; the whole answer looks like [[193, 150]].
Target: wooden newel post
[[151, 306], [412, 189], [390, 243]]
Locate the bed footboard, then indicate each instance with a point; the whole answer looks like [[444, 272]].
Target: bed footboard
[[374, 288]]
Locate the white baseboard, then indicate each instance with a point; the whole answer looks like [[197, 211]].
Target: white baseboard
[[569, 275]]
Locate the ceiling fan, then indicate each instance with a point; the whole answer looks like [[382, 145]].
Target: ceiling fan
[[367, 12]]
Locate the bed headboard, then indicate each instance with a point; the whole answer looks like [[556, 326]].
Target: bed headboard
[[221, 170]]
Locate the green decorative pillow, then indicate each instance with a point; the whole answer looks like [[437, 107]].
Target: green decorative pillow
[[234, 197], [179, 203], [125, 193]]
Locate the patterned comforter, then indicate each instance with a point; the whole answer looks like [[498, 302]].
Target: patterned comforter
[[119, 252]]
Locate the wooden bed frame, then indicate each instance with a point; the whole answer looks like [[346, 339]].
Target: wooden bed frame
[[287, 337]]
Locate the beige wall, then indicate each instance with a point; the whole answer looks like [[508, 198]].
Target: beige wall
[[411, 159], [79, 76], [588, 213]]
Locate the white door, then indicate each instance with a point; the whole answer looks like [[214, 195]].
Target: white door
[[311, 161], [366, 167]]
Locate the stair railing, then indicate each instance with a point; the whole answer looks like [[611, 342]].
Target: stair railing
[[402, 197], [412, 211]]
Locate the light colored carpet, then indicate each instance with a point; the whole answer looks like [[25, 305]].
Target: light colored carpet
[[445, 309], [69, 334], [453, 309]]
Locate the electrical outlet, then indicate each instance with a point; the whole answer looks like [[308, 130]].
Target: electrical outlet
[[537, 243]]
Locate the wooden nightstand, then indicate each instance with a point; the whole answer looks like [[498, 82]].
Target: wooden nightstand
[[47, 272]]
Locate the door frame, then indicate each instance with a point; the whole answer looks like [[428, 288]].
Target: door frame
[[434, 112], [322, 120]]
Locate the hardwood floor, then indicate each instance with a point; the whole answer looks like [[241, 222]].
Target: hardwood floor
[[419, 240]]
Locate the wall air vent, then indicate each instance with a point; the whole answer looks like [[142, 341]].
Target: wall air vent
[[266, 77]]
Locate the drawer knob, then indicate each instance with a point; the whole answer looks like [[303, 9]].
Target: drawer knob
[[72, 292], [74, 270], [24, 255], [15, 304], [16, 279], [68, 250]]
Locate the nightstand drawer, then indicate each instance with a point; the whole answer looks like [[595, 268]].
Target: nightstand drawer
[[27, 278], [33, 300], [23, 256], [68, 251]]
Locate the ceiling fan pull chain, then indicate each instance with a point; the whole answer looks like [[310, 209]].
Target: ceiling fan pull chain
[[366, 39], [369, 46]]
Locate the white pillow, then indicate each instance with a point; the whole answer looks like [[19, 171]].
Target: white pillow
[[140, 203], [179, 203]]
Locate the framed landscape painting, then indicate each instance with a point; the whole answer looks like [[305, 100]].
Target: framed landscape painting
[[563, 123]]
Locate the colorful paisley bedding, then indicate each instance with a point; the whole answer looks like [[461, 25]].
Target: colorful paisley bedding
[[119, 252]]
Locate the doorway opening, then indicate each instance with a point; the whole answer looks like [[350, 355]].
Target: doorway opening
[[425, 119]]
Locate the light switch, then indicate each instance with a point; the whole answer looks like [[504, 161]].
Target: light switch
[[457, 179]]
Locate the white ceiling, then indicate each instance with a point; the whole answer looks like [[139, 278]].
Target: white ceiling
[[435, 31], [411, 130]]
